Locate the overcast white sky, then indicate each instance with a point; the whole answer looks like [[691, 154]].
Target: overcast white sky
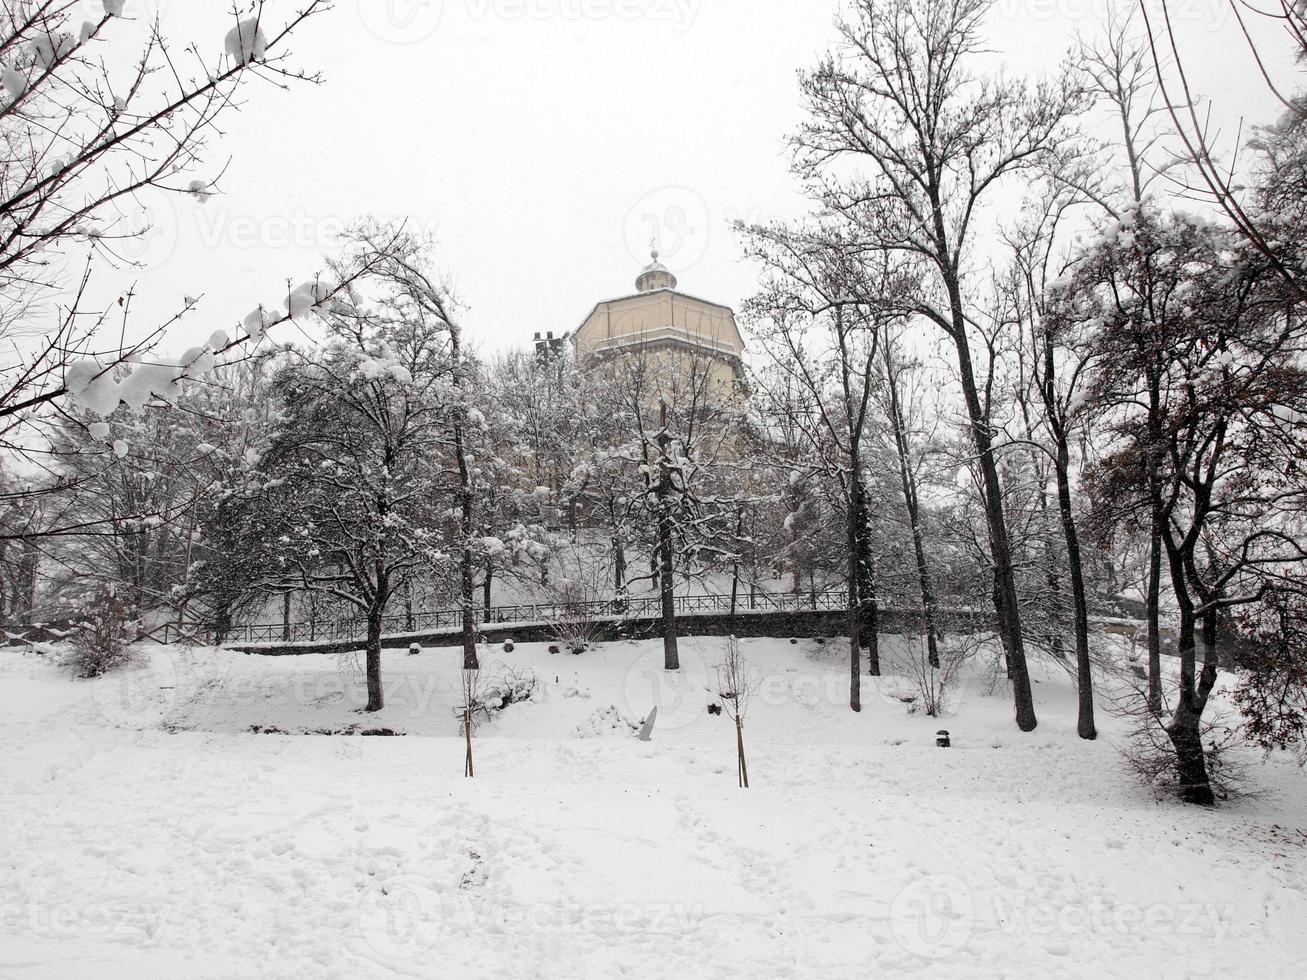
[[543, 142]]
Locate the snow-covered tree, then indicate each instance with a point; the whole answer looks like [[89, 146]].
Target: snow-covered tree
[[353, 495], [95, 117], [1230, 356]]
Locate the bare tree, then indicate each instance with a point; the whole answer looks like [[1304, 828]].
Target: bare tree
[[822, 337], [897, 413], [666, 452], [80, 142], [473, 700], [911, 147], [735, 687], [1220, 181], [1120, 77]]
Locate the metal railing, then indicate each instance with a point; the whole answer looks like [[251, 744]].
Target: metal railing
[[451, 620]]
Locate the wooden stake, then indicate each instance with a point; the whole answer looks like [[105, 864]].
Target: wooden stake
[[467, 730], [739, 745]]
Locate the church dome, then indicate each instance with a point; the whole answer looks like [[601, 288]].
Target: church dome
[[655, 275]]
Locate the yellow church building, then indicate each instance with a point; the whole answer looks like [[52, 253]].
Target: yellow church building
[[660, 320]]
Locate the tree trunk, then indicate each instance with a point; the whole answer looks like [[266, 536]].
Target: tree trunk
[[666, 565], [619, 572], [1191, 764], [1085, 727], [221, 624], [1152, 610], [1185, 726], [376, 700], [909, 486], [869, 605], [285, 617], [735, 566], [486, 586], [855, 624], [467, 523], [1005, 591], [1152, 615]]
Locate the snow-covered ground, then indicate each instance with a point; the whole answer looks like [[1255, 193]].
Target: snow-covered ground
[[149, 833]]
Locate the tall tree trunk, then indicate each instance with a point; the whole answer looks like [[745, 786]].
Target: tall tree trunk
[[855, 618], [1153, 613], [869, 604], [376, 699], [285, 616], [1005, 590], [467, 582], [486, 586], [619, 571], [1153, 599], [666, 564], [735, 565], [908, 483], [1085, 727], [1185, 726], [26, 583], [860, 587]]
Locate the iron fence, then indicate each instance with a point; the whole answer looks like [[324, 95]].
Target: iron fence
[[451, 620]]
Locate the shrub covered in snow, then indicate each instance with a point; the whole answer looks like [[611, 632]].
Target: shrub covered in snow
[[102, 641], [488, 698]]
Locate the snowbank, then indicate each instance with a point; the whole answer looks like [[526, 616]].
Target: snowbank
[[151, 834]]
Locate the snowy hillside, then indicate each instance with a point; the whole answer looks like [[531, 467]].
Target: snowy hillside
[[151, 834]]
